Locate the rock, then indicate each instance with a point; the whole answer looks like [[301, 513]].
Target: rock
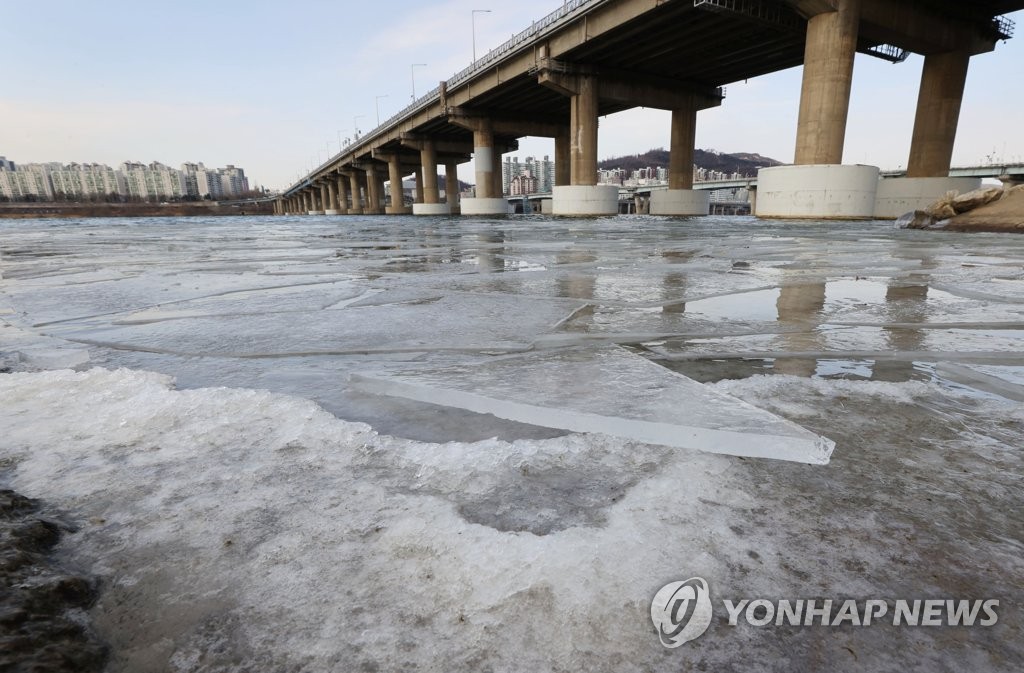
[[1012, 190], [979, 197], [37, 631], [1003, 215], [943, 208], [917, 219]]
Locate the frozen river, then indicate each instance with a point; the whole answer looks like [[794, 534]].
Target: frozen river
[[384, 444]]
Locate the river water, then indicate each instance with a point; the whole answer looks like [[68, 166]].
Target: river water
[[368, 443]]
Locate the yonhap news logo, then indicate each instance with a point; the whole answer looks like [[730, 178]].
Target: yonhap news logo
[[682, 611]]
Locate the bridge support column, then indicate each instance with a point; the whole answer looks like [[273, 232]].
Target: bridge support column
[[486, 202], [931, 149], [819, 186], [418, 186], [332, 199], [431, 195], [681, 198], [322, 202], [828, 77], [563, 160], [307, 205], [342, 194], [583, 196], [451, 186], [938, 112], [374, 191], [353, 188], [397, 206]]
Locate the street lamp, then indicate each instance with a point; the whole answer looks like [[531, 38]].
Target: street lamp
[[355, 124], [376, 102], [472, 15], [412, 71]]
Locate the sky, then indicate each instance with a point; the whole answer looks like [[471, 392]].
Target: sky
[[272, 87]]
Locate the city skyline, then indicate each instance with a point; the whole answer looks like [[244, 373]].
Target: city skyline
[[279, 111]]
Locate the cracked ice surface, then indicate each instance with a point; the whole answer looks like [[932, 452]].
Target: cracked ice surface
[[262, 525], [609, 391]]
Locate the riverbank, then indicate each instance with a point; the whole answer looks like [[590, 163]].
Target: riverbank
[[20, 211]]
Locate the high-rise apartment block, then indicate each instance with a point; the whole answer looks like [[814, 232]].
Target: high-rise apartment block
[[26, 182], [83, 181], [539, 174], [132, 180]]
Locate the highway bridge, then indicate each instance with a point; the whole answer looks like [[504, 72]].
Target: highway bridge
[[591, 58]]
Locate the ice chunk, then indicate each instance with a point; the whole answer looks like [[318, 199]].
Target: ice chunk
[[449, 322], [1003, 380], [54, 358], [609, 391]]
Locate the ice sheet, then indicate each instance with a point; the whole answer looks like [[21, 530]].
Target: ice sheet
[[241, 530], [608, 391], [383, 322]]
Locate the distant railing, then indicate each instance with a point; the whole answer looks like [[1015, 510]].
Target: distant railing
[[1004, 27]]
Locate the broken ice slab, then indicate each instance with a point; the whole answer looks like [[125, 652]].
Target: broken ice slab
[[398, 321], [54, 358], [609, 391], [1003, 380]]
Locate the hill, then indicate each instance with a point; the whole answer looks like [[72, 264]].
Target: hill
[[743, 163]]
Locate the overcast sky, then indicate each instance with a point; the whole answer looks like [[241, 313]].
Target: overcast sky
[[270, 86]]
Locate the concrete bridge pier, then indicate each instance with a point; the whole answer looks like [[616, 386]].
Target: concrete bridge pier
[[321, 196], [307, 207], [397, 206], [314, 201], [342, 182], [819, 186], [451, 186], [431, 192], [583, 196], [417, 182], [681, 198], [353, 188], [331, 206], [563, 159], [943, 79], [374, 190], [487, 201]]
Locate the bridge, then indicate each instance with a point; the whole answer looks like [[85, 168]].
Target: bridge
[[591, 58], [1007, 173]]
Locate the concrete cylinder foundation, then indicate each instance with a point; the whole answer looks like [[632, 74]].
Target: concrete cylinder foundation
[[431, 209], [484, 206], [680, 202], [897, 196], [584, 200], [822, 191]]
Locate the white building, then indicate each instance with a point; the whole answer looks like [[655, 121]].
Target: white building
[[27, 182], [153, 182], [86, 181]]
